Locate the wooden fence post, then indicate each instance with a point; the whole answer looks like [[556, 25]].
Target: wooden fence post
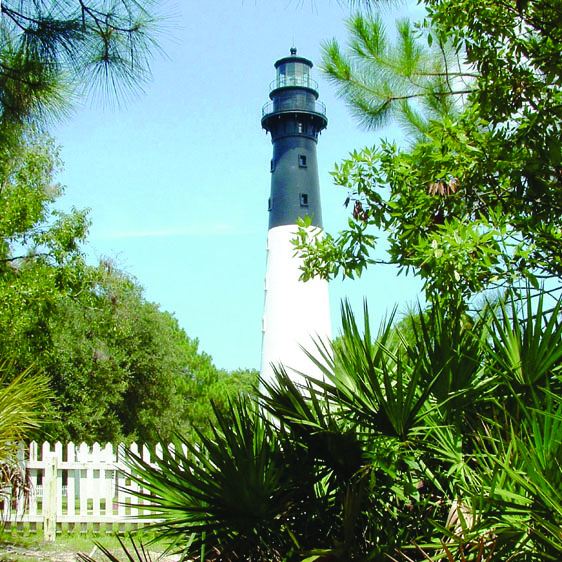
[[50, 498]]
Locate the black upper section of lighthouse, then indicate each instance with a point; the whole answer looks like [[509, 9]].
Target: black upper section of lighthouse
[[294, 117]]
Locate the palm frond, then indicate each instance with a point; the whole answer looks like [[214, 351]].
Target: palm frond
[[233, 495], [526, 352], [22, 400]]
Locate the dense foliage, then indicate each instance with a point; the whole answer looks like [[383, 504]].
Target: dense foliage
[[119, 368], [474, 201]]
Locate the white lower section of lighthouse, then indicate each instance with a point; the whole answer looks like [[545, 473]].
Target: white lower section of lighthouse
[[296, 313]]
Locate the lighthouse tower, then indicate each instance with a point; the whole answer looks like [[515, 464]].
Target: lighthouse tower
[[296, 313]]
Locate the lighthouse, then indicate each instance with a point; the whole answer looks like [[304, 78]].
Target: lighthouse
[[296, 313]]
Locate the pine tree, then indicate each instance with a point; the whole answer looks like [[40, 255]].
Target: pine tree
[[50, 50]]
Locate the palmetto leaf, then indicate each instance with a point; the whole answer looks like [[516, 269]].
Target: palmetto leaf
[[21, 402], [516, 485], [526, 351], [233, 495], [449, 351], [370, 380], [330, 442]]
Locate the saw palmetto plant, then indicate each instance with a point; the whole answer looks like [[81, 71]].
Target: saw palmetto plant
[[438, 438], [22, 400]]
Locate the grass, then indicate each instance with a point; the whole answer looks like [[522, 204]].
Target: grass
[[29, 547], [26, 548]]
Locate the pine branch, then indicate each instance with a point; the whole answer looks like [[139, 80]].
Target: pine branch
[[389, 99]]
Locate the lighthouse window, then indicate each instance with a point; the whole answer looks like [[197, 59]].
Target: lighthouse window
[[299, 127], [302, 160], [272, 167], [303, 199], [269, 204]]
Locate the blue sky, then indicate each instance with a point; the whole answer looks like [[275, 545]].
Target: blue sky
[[177, 179]]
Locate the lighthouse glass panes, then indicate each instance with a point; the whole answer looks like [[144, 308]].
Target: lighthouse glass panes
[[293, 74]]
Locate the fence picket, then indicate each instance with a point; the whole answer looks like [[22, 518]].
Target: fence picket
[[72, 481], [33, 474], [59, 486], [96, 482], [109, 479]]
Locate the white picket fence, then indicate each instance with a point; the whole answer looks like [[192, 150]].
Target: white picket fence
[[78, 487]]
